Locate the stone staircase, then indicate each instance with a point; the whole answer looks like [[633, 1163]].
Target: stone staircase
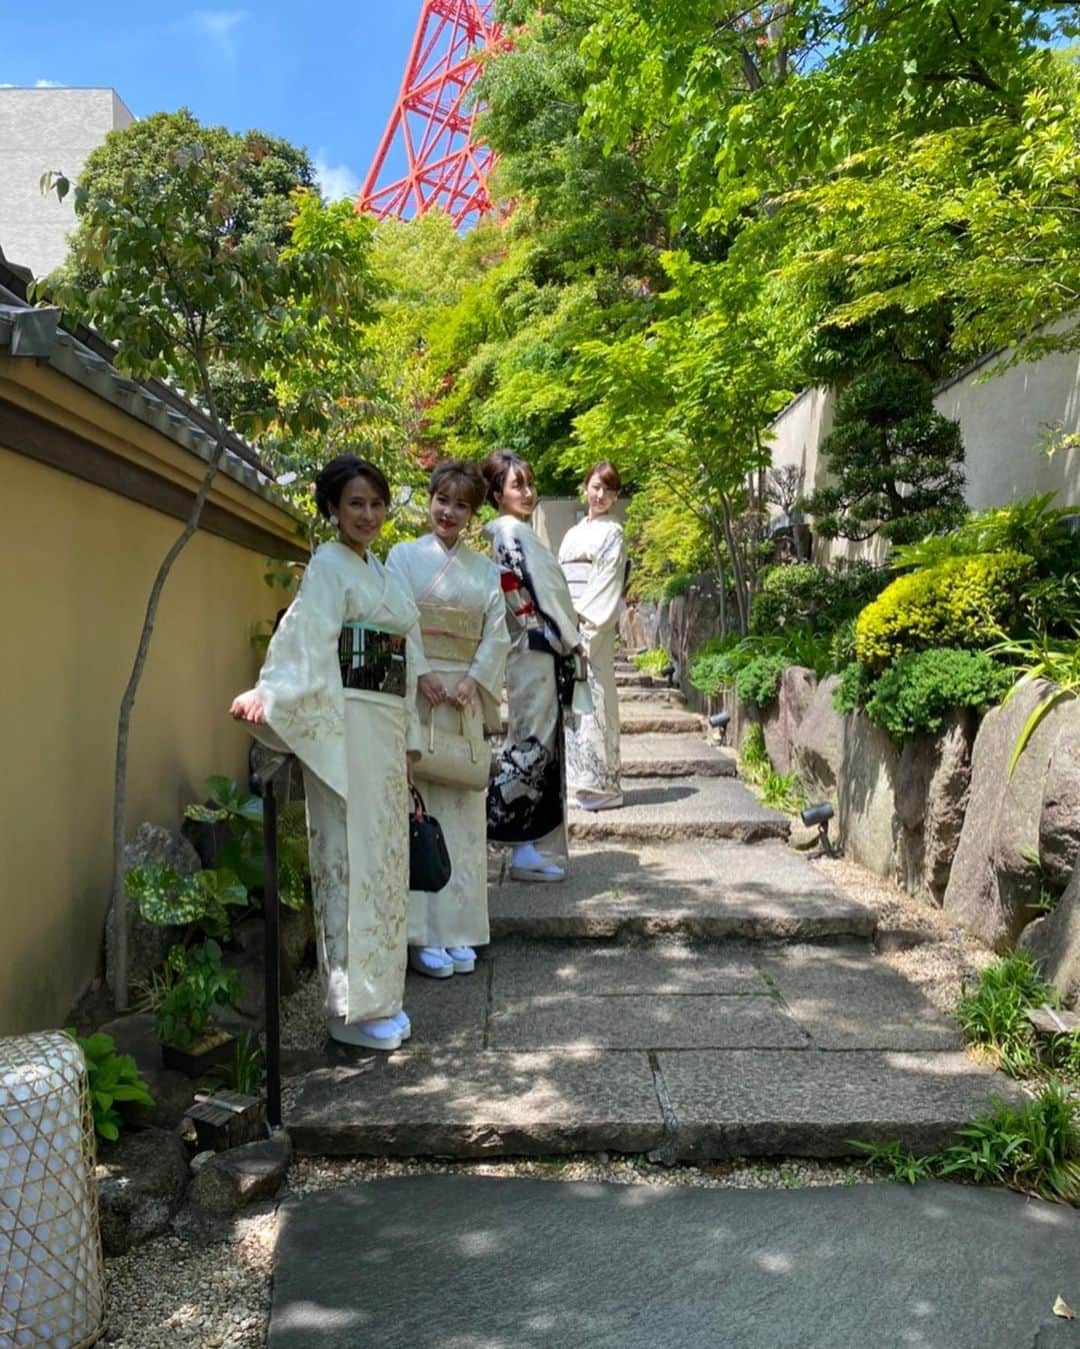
[[694, 989]]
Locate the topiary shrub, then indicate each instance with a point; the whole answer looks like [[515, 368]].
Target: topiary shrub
[[786, 594], [855, 686], [916, 694], [716, 662], [758, 682], [964, 601]]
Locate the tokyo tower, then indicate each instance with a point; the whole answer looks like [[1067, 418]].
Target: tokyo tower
[[433, 121]]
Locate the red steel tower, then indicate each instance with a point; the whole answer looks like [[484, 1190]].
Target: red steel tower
[[433, 121]]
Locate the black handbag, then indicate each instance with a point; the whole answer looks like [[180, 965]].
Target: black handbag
[[429, 857]]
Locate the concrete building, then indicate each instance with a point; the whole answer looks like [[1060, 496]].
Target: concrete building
[[42, 130]]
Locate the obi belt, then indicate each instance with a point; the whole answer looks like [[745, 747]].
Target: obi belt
[[372, 659], [450, 634], [577, 577]]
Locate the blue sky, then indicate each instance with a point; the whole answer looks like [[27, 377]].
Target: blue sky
[[322, 74]]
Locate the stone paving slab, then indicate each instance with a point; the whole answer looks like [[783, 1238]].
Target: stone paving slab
[[659, 1022], [700, 889], [646, 718], [478, 1104], [662, 967], [464, 1262], [655, 808], [846, 998], [812, 1103], [664, 756], [659, 697]]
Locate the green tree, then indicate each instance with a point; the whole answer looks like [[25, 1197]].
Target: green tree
[[897, 462], [179, 288]]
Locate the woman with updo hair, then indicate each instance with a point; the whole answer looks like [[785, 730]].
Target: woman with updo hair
[[463, 626], [593, 558], [527, 796], [338, 690]]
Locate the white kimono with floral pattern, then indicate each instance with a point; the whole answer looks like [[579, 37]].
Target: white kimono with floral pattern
[[352, 744], [593, 558], [459, 583]]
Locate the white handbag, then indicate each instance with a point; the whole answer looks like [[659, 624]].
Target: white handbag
[[453, 753]]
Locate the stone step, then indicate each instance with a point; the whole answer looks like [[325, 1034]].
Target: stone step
[[626, 680], [695, 1052], [657, 808], [645, 719], [700, 890], [659, 697], [676, 756]]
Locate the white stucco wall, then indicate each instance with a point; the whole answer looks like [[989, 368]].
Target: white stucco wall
[[42, 130]]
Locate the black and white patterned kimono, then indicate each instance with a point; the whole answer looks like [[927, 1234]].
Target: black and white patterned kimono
[[527, 798]]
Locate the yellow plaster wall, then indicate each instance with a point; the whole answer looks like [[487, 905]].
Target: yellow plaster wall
[[78, 564]]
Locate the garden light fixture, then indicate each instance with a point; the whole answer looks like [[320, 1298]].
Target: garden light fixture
[[720, 721], [820, 815]]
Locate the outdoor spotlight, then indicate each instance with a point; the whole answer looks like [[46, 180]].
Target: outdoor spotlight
[[668, 673], [720, 721], [820, 815]]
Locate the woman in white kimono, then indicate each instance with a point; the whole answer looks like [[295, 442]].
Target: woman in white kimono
[[593, 558], [338, 690], [463, 624], [526, 802]]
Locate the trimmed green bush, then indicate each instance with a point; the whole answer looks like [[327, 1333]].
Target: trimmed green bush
[[916, 694], [964, 602], [792, 594], [758, 682], [856, 684]]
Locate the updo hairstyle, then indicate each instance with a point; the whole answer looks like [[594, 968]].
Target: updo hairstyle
[[463, 477], [338, 473], [498, 466]]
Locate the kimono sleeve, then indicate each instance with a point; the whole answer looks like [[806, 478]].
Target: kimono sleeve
[[299, 685], [551, 594], [598, 603], [398, 567], [489, 664]]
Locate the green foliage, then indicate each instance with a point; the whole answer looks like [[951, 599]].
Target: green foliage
[[196, 983], [783, 791], [202, 899], [677, 585], [754, 763], [242, 851], [801, 592], [855, 687], [758, 681], [247, 1065], [1041, 659], [651, 662], [964, 601], [114, 1080], [1033, 1147], [915, 695], [1034, 527], [896, 462], [994, 1012]]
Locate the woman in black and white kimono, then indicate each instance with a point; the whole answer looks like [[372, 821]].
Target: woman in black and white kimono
[[527, 797]]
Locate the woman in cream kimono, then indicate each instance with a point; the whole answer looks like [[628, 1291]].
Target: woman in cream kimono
[[593, 558], [463, 623], [527, 796], [338, 690]]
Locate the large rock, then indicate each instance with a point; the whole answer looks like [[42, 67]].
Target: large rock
[[819, 747], [686, 623], [933, 779], [866, 795], [782, 720], [1054, 941], [1059, 822], [148, 943], [995, 878], [241, 1176], [141, 1183]]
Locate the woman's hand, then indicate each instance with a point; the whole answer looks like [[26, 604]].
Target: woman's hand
[[248, 707], [431, 687], [464, 693]]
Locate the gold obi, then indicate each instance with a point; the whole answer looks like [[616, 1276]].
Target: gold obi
[[449, 633]]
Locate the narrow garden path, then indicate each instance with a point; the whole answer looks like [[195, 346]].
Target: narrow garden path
[[694, 990]]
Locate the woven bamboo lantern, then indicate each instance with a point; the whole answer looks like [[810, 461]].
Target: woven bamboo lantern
[[52, 1293]]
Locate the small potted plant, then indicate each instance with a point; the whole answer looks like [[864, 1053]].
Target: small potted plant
[[194, 983]]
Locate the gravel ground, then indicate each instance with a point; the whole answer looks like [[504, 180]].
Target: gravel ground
[[167, 1292]]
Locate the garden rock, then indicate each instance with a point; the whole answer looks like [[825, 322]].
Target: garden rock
[[1054, 941], [866, 795], [803, 837], [242, 1176], [782, 721], [148, 943], [933, 780], [141, 1183], [819, 745], [994, 881], [1059, 823]]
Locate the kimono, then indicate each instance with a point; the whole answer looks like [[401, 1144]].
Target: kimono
[[527, 797], [463, 626], [593, 558], [352, 743]]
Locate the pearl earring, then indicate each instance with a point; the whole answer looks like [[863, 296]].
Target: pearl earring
[[333, 520]]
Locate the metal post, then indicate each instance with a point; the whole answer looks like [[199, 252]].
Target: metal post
[[264, 785]]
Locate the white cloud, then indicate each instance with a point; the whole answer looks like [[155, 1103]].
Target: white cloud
[[49, 84], [218, 27], [335, 180]]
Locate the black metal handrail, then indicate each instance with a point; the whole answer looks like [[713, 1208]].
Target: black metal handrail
[[262, 784]]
